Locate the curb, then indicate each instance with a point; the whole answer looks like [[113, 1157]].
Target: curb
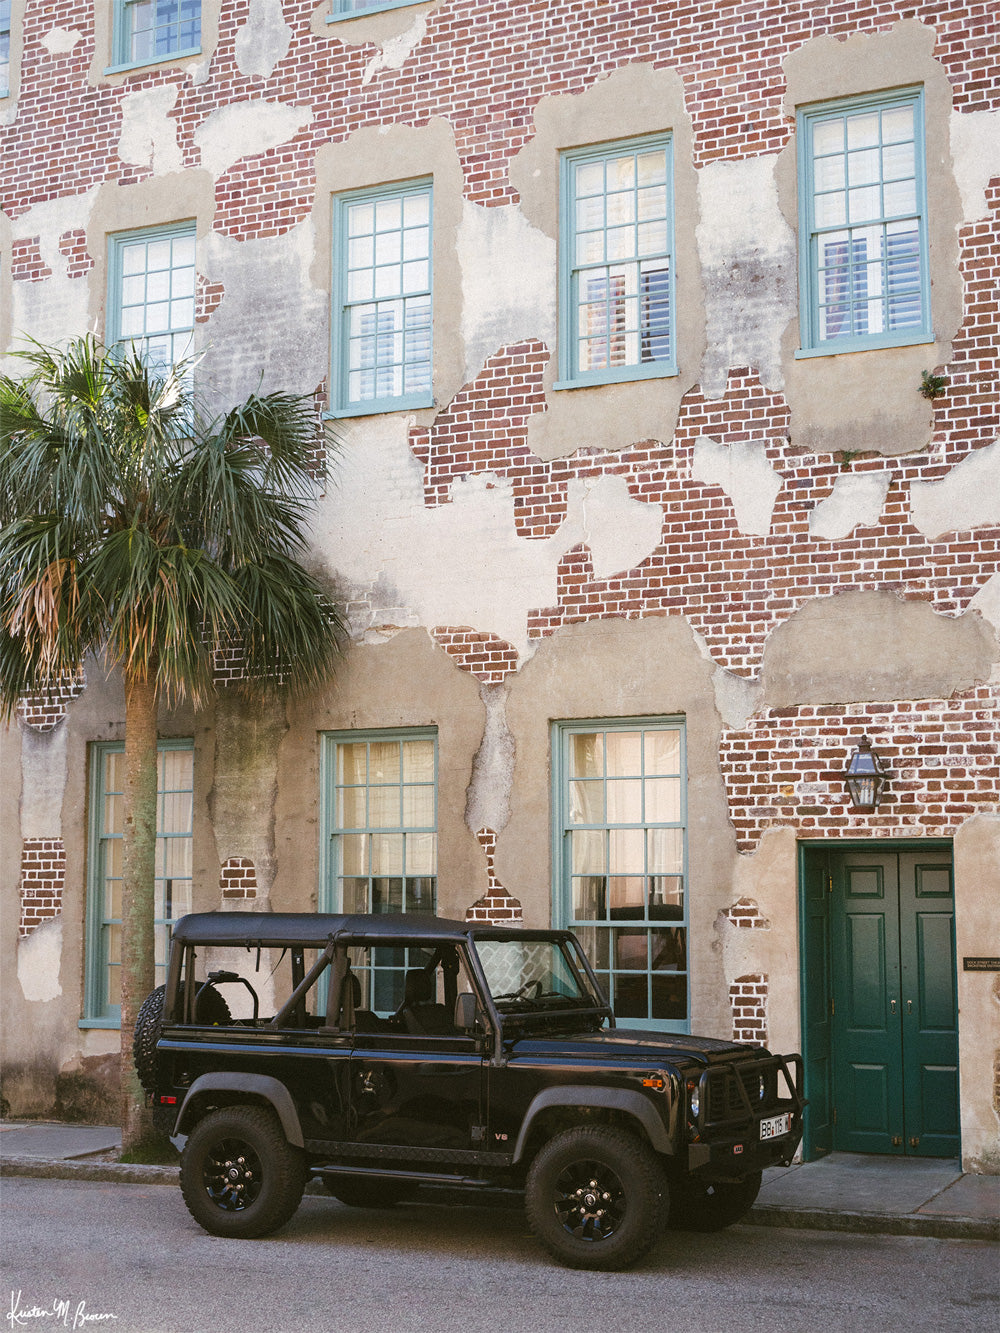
[[940, 1227], [935, 1227]]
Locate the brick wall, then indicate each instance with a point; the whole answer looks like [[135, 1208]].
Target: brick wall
[[43, 876], [45, 710]]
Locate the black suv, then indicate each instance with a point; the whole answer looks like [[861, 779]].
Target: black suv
[[382, 1053]]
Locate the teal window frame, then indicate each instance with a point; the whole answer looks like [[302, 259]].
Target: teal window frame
[[655, 330], [123, 248], [98, 1011], [817, 184], [343, 834], [5, 48], [397, 344], [344, 9], [123, 36], [662, 924]]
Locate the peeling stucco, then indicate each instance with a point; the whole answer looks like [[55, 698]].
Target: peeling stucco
[[968, 497], [43, 782], [855, 501], [38, 957], [60, 41], [743, 472], [396, 51], [496, 310], [246, 129], [263, 41], [747, 252], [49, 309], [149, 135], [873, 645], [488, 796], [975, 148]]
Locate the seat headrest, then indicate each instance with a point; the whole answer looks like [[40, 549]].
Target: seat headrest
[[418, 987]]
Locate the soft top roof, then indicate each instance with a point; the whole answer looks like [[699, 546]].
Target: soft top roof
[[288, 928]]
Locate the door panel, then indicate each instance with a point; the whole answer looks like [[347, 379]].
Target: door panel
[[817, 993], [867, 1061], [894, 1034], [402, 1098]]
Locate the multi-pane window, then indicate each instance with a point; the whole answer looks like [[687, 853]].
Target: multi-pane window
[[382, 338], [864, 263], [620, 882], [172, 889], [381, 812], [616, 262], [150, 30], [342, 9], [152, 293], [4, 47]]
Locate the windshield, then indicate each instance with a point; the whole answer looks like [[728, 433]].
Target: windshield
[[532, 975]]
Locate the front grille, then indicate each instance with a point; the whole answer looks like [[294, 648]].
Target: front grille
[[732, 1093]]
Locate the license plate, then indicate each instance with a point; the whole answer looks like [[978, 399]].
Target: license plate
[[776, 1126]]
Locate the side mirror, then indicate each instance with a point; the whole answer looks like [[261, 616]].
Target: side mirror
[[466, 1015]]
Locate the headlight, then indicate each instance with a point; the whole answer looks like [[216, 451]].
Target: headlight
[[761, 1087], [694, 1097]]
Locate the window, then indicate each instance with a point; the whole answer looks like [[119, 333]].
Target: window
[[349, 9], [380, 810], [620, 861], [382, 324], [4, 47], [864, 258], [152, 291], [150, 30], [616, 265], [174, 811]]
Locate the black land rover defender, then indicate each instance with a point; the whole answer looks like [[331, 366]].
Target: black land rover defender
[[380, 1053]]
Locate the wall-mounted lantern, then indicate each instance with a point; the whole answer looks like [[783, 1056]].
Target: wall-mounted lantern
[[864, 777]]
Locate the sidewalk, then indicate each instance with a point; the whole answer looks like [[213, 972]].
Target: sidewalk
[[842, 1192]]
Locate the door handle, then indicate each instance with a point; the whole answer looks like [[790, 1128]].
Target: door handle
[[892, 1006], [909, 1006]]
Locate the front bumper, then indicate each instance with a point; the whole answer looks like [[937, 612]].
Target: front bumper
[[725, 1137]]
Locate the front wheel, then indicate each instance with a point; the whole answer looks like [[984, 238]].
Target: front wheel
[[695, 1206], [240, 1176], [596, 1198]]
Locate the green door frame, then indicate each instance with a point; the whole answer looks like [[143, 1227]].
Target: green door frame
[[816, 977]]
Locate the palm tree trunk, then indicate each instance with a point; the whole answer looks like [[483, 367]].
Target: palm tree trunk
[[138, 876]]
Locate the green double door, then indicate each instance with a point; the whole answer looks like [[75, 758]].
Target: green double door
[[884, 1053]]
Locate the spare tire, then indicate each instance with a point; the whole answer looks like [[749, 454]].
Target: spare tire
[[210, 1007]]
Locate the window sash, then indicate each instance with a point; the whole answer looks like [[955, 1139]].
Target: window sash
[[152, 280], [150, 30], [621, 861], [865, 254], [4, 48], [174, 881], [383, 299], [617, 284]]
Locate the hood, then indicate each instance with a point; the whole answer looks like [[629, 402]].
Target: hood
[[630, 1044]]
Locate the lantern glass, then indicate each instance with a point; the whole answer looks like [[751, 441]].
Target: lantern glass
[[864, 777]]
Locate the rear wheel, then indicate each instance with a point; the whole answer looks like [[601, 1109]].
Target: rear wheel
[[239, 1174], [711, 1206], [596, 1198]]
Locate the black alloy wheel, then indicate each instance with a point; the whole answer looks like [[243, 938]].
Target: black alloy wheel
[[239, 1174], [596, 1197]]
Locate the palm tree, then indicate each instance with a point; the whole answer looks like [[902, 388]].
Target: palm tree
[[135, 528]]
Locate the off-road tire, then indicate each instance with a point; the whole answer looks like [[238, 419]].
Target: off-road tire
[[210, 1007], [240, 1177], [711, 1207], [596, 1198], [365, 1192]]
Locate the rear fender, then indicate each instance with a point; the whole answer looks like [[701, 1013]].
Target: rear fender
[[255, 1087]]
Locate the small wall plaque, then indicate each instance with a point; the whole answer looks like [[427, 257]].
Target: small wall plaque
[[981, 964]]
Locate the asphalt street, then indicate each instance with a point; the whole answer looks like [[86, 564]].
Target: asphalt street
[[85, 1254]]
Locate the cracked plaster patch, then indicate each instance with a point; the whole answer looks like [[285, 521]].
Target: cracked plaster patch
[[975, 150], [263, 41], [462, 563], [497, 312], [987, 601], [38, 957], [247, 129], [149, 136], [60, 41], [968, 497], [746, 477], [396, 50], [856, 501], [748, 259], [48, 309]]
